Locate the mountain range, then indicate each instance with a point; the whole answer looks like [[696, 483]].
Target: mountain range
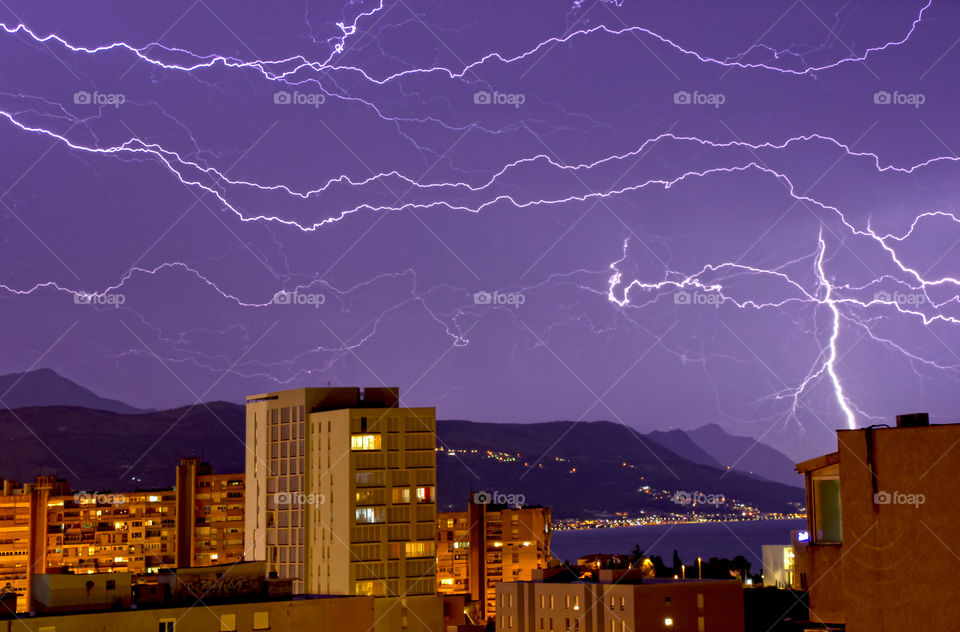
[[579, 468], [46, 387]]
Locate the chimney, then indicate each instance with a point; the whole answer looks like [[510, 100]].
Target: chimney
[[913, 420]]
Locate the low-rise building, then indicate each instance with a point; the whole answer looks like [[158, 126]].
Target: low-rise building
[[620, 601], [778, 565], [229, 598]]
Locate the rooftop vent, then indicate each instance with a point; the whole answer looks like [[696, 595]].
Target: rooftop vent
[[913, 420]]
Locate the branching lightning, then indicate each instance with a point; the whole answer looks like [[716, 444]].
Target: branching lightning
[[844, 304]]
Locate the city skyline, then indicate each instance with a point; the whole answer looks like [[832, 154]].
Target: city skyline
[[658, 216]]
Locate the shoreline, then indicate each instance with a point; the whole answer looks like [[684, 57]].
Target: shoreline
[[600, 524]]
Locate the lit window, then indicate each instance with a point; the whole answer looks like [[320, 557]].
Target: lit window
[[370, 515], [364, 588], [419, 549], [365, 442], [447, 581], [153, 499], [401, 496], [228, 623], [425, 494], [261, 620]]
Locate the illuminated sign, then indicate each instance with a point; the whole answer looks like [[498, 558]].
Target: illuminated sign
[[803, 536]]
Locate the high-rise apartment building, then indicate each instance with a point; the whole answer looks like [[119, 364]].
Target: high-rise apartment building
[[209, 515], [488, 544], [341, 497], [23, 512]]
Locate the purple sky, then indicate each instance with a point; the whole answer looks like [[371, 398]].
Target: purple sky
[[150, 171]]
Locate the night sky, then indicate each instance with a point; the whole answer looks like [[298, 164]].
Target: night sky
[[659, 213]]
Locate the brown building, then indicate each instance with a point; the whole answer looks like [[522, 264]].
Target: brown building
[[489, 544], [44, 528], [209, 516], [880, 550], [619, 602]]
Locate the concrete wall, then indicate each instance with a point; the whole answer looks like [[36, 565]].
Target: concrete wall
[[900, 564], [341, 614]]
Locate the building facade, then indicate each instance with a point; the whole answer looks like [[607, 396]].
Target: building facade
[[879, 552], [44, 527], [23, 514], [342, 497], [619, 602], [488, 544]]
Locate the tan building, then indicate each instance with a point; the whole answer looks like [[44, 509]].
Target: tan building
[[880, 550], [45, 528], [489, 544], [342, 497], [619, 602]]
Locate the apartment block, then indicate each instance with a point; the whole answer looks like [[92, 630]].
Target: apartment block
[[210, 515], [621, 601], [488, 544], [46, 528], [342, 497], [879, 551], [23, 512]]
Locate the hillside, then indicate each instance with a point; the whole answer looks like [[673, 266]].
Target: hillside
[[745, 454], [579, 469], [46, 387], [586, 469]]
